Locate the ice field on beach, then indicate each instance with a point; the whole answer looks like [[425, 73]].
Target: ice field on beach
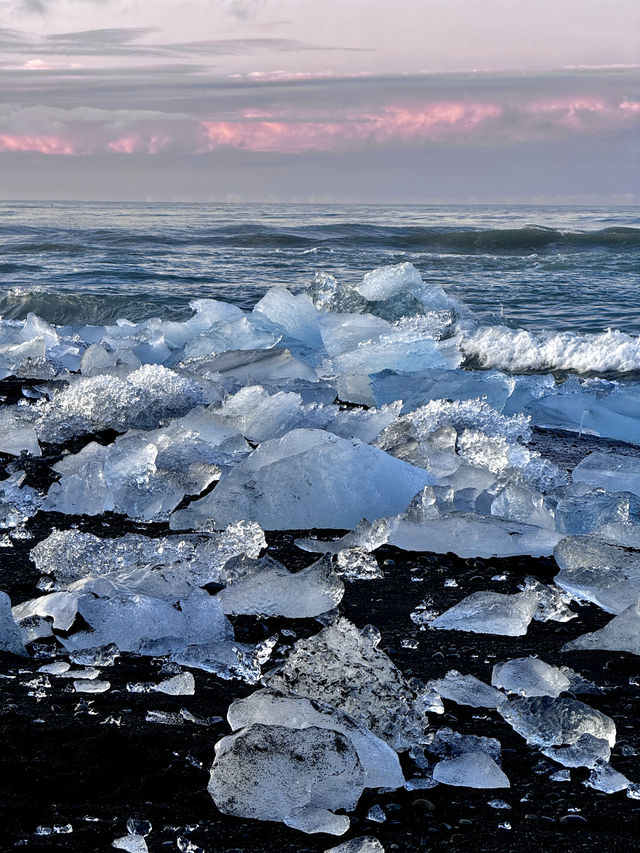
[[384, 412]]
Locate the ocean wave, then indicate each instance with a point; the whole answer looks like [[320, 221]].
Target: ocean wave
[[521, 351]]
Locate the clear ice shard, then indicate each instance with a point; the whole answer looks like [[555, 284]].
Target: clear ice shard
[[622, 634], [17, 431], [587, 751], [271, 707], [363, 844], [10, 634], [490, 613], [272, 590], [449, 744], [592, 569], [544, 721], [530, 677], [308, 478], [297, 776], [471, 770], [467, 690], [615, 517], [613, 472], [604, 778], [341, 666]]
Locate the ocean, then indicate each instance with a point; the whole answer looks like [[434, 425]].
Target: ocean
[[540, 268]]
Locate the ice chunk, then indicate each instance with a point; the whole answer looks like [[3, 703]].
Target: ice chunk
[[342, 667], [613, 516], [552, 602], [380, 763], [131, 843], [544, 721], [622, 634], [363, 844], [272, 590], [182, 684], [604, 778], [447, 743], [467, 690], [142, 400], [343, 332], [328, 294], [307, 478], [10, 635], [471, 770], [398, 291], [595, 570], [614, 472], [296, 315], [60, 607], [297, 776], [367, 536], [17, 431], [355, 564], [236, 368], [419, 388], [529, 677], [585, 752], [18, 503], [490, 613]]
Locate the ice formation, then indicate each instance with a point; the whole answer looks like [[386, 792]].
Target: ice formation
[[530, 677], [490, 613], [545, 721], [471, 770]]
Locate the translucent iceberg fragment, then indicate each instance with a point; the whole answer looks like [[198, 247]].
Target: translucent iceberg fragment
[[614, 472], [587, 751], [398, 291], [380, 763], [529, 677], [10, 634], [297, 776], [594, 570], [307, 478], [471, 770], [328, 294], [363, 844], [344, 332], [236, 368], [544, 721], [272, 590], [142, 400], [355, 564], [342, 667], [552, 602], [614, 516], [182, 684], [296, 316], [622, 634], [604, 778], [17, 431], [467, 690], [447, 743], [490, 613], [18, 502]]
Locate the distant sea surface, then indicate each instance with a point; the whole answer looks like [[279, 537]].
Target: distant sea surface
[[541, 268]]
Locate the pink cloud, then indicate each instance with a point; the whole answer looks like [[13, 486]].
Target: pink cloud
[[42, 144], [137, 144]]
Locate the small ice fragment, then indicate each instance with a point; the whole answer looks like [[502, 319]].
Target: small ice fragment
[[529, 677], [498, 804], [622, 634], [136, 826], [96, 656], [467, 690], [490, 613], [10, 634], [544, 721], [420, 783], [131, 843], [364, 844], [376, 814], [587, 751], [560, 776], [179, 685], [166, 718], [58, 667], [471, 770], [355, 564], [604, 778], [83, 685]]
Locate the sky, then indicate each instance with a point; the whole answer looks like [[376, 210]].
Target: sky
[[321, 100]]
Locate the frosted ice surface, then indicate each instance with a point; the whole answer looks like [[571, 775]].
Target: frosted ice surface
[[398, 291], [585, 752], [614, 472], [490, 613], [342, 667], [343, 332], [355, 564], [18, 502], [471, 770], [467, 690], [615, 517], [363, 844], [622, 634], [529, 677], [604, 778], [595, 570], [10, 634], [182, 684], [552, 602], [236, 368], [141, 401], [298, 776], [544, 721], [328, 294], [272, 590], [307, 478], [447, 743], [380, 763], [131, 843], [259, 415]]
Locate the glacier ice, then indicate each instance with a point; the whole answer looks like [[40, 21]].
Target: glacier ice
[[621, 634], [10, 635], [343, 667], [471, 770], [587, 751], [546, 721], [467, 690], [308, 478], [490, 613], [363, 844], [614, 472], [529, 677]]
